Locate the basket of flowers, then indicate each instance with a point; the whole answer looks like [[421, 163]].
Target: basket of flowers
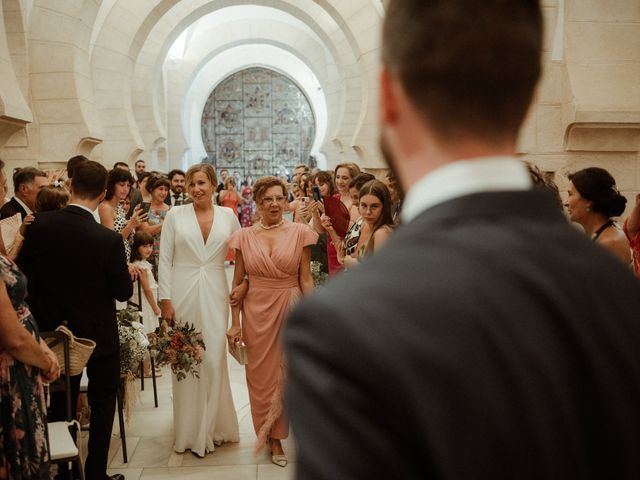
[[181, 346]]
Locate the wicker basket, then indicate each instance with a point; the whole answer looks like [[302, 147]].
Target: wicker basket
[[80, 349]]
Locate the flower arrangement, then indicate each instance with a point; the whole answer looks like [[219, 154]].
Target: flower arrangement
[[181, 347], [133, 341]]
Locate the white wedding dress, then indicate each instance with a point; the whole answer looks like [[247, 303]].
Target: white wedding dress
[[191, 274]]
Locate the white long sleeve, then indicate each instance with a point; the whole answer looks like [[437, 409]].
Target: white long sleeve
[[167, 245]]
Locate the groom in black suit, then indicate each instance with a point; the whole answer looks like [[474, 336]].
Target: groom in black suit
[[488, 339], [76, 268]]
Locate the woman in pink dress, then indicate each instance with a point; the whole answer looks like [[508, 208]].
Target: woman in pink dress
[[230, 198], [273, 258]]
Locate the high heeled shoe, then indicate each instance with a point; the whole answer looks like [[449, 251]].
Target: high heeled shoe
[[279, 460]]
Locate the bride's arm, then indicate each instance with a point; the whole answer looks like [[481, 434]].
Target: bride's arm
[[167, 241]]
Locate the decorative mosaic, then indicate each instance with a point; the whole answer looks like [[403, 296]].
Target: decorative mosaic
[[258, 122]]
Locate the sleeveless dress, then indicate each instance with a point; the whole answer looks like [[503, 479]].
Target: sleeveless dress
[[230, 201], [192, 276], [23, 416], [273, 288], [149, 318], [118, 225]]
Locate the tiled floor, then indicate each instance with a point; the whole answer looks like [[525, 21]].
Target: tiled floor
[[149, 437]]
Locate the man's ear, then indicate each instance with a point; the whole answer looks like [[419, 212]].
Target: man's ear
[[104, 194], [388, 99]]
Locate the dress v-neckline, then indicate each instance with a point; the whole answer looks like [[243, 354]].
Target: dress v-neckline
[[263, 247], [213, 221]]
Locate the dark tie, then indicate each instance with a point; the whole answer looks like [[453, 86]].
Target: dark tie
[[177, 200]]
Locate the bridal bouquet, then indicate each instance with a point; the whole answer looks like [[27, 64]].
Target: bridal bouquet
[[181, 346], [133, 341]]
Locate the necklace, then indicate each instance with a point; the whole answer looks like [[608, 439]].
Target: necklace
[[269, 227]]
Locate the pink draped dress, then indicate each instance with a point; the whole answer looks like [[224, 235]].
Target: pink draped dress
[[273, 287]]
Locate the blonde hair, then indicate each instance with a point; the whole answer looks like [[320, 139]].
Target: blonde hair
[[353, 169], [205, 168]]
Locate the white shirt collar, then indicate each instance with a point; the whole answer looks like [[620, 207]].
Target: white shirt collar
[[24, 205], [464, 177], [82, 207]]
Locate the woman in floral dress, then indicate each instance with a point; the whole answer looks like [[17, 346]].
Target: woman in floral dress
[[23, 416]]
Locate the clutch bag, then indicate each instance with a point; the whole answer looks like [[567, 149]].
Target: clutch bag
[[238, 350]]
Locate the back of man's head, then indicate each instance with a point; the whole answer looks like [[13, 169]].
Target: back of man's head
[[469, 68], [23, 176], [73, 162], [89, 180]]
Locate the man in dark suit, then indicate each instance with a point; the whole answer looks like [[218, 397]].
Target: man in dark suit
[[27, 182], [76, 268], [177, 195], [488, 339]]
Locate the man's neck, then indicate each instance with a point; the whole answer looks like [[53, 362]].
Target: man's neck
[[25, 202], [90, 204]]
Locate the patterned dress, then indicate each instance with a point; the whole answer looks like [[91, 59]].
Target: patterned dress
[[118, 225], [156, 217], [23, 443]]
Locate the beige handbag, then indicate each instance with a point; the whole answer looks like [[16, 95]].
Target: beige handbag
[[80, 349], [238, 349]]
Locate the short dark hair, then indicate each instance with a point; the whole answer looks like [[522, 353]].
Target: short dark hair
[[120, 164], [22, 176], [468, 70], [325, 178], [157, 181], [140, 238], [599, 187], [116, 176], [89, 180], [138, 161], [175, 172], [73, 162], [301, 165], [51, 198]]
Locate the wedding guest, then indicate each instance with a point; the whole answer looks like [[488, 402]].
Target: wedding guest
[[230, 198], [349, 245], [51, 198], [159, 188], [275, 254], [392, 184], [343, 174], [631, 228], [324, 181], [139, 168], [248, 209], [112, 214], [592, 202], [82, 294], [177, 195], [23, 446], [145, 194], [224, 173], [193, 288], [121, 165], [27, 182]]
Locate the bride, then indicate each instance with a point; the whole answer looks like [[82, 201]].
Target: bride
[[193, 288]]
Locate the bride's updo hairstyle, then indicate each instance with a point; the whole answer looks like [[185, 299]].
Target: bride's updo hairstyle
[[205, 168], [599, 187], [265, 183]]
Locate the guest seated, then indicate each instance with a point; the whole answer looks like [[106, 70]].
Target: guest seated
[[593, 200]]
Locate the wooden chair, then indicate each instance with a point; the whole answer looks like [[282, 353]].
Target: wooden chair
[[62, 446]]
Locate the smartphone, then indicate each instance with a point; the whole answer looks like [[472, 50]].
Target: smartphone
[[316, 193], [306, 199]]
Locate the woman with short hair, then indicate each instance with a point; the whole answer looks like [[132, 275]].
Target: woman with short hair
[[273, 262]]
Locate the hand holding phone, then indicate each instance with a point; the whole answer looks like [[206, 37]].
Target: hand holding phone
[[316, 193]]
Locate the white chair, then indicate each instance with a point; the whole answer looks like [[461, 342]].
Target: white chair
[[62, 446]]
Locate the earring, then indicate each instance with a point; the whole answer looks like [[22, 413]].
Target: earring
[[588, 209]]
